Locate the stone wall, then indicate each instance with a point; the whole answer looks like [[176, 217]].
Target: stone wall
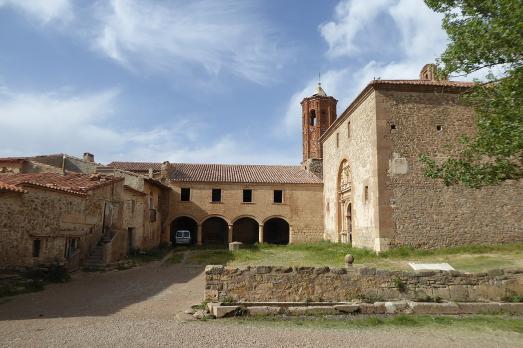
[[324, 284], [422, 212], [359, 149], [301, 207]]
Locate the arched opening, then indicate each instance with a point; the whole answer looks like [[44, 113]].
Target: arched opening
[[276, 231], [344, 206], [184, 223], [214, 231], [245, 230], [312, 118]]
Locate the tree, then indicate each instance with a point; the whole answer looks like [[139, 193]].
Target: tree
[[485, 34]]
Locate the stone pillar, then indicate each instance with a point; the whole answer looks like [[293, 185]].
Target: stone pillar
[[199, 235], [260, 234], [291, 235], [229, 234]]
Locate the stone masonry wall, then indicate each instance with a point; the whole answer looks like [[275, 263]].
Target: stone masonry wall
[[324, 284], [423, 212]]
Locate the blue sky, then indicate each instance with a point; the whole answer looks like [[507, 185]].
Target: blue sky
[[193, 81]]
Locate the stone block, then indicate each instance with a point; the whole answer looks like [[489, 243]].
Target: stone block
[[372, 308], [367, 271], [513, 308], [321, 270], [479, 307], [263, 310], [220, 311], [214, 269], [495, 272], [396, 307], [262, 269], [434, 308], [459, 293], [235, 246], [338, 270], [347, 308], [311, 310]]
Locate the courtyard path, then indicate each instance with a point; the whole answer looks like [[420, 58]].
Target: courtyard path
[[143, 307]]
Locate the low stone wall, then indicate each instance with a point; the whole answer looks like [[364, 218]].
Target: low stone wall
[[324, 284]]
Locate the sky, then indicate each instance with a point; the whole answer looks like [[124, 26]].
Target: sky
[[200, 81]]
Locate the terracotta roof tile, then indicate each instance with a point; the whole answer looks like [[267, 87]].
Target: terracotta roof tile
[[70, 182], [240, 173], [135, 166], [11, 188], [443, 83]]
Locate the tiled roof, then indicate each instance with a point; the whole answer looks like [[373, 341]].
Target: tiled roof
[[240, 173], [11, 188], [12, 159], [70, 182], [443, 83], [135, 166]]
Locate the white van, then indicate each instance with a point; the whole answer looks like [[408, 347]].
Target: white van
[[183, 237]]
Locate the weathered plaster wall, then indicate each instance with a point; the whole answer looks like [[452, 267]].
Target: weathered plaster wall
[[422, 212], [301, 207], [359, 149], [324, 284]]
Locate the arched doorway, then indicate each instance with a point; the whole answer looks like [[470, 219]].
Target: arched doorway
[[245, 230], [214, 231], [276, 231], [344, 203], [184, 223]]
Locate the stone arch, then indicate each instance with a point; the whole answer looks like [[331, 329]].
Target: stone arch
[[276, 230], [245, 229], [215, 230], [246, 216], [344, 202], [184, 223]]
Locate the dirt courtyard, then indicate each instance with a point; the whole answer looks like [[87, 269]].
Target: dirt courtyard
[[144, 307]]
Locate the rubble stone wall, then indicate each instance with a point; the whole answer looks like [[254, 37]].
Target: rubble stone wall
[[324, 284]]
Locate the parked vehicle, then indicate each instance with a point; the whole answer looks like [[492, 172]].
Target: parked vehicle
[[183, 237]]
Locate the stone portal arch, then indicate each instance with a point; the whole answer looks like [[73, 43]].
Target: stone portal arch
[[276, 231], [344, 204], [215, 230], [245, 230], [184, 223]]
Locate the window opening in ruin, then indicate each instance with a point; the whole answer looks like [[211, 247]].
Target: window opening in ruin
[[439, 128], [366, 194], [247, 196], [185, 194], [37, 243], [313, 117], [216, 195], [278, 196], [392, 126]]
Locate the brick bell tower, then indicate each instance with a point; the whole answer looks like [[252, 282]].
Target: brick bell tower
[[318, 113]]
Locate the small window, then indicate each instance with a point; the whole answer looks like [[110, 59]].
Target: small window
[[37, 243], [392, 126], [185, 194], [247, 196], [216, 195], [337, 139], [366, 193], [278, 196], [348, 129], [312, 119], [439, 128]]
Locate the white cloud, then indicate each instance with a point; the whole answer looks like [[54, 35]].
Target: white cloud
[[172, 36], [417, 39], [40, 123], [44, 10]]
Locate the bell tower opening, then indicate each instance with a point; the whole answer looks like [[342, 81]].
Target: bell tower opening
[[318, 113]]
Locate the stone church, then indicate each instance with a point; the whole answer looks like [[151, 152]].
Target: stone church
[[360, 182]]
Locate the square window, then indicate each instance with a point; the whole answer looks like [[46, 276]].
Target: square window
[[393, 126], [247, 196], [216, 195], [278, 196], [185, 195], [439, 128]]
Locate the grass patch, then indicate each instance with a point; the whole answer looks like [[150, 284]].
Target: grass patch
[[477, 322], [473, 258]]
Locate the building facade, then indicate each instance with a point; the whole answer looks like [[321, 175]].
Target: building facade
[[375, 192]]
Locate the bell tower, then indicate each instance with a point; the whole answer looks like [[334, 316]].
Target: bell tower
[[318, 113]]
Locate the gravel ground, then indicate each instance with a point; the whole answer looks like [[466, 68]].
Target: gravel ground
[[144, 307]]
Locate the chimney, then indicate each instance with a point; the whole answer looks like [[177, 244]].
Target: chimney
[[88, 157], [150, 173], [164, 173]]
